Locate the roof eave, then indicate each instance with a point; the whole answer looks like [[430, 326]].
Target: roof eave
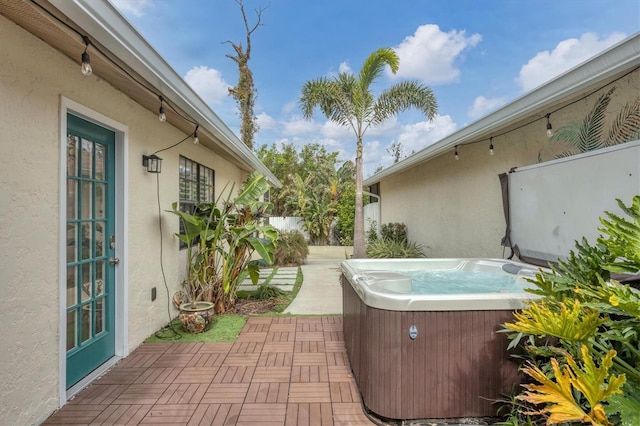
[[622, 56], [108, 27]]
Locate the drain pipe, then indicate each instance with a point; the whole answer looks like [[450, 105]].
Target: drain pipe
[[378, 224]]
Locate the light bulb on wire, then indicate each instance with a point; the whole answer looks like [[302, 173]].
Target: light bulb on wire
[[161, 114], [86, 59], [491, 145], [549, 128], [196, 140], [456, 153]]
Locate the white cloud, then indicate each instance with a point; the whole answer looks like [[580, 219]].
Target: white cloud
[[299, 126], [330, 129], [415, 137], [265, 121], [135, 7], [483, 105], [208, 83], [289, 107], [429, 54], [345, 68], [568, 53]]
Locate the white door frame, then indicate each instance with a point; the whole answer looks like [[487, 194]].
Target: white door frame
[[121, 227]]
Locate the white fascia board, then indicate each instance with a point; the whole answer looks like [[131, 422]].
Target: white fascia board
[[620, 57], [107, 26]]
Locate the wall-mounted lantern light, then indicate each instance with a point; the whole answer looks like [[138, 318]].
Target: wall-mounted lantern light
[[152, 162]]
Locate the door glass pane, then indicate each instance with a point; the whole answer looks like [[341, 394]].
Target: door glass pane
[[72, 233], [100, 239], [72, 155], [72, 286], [87, 240], [99, 315], [86, 322], [100, 161], [87, 211], [87, 290], [100, 200], [72, 198], [87, 159], [71, 330], [100, 277]]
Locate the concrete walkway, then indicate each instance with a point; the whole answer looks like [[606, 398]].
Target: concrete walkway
[[321, 293]]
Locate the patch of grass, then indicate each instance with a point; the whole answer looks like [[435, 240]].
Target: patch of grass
[[225, 328]]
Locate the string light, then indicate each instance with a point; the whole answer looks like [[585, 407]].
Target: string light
[[549, 128], [86, 60], [161, 115], [491, 145], [195, 135], [457, 157]]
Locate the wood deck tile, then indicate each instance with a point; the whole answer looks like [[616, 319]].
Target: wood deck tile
[[183, 393], [280, 327], [349, 413], [309, 346], [283, 320], [301, 358], [278, 347], [340, 373], [241, 359], [229, 393], [309, 414], [255, 328], [309, 374], [344, 392], [267, 393], [271, 374], [159, 375], [141, 394], [337, 358], [215, 414], [259, 320], [309, 326], [252, 337], [173, 360], [309, 392], [262, 414], [185, 348], [139, 360], [281, 336], [151, 348], [240, 347], [334, 336], [99, 394], [76, 414], [333, 319], [275, 359], [309, 336], [335, 347], [169, 414], [234, 374], [203, 375], [206, 360], [217, 348], [120, 376]]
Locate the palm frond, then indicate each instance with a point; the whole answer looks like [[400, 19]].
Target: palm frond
[[626, 125], [403, 96], [374, 65]]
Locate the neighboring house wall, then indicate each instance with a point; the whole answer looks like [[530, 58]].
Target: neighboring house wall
[[34, 80], [454, 207]]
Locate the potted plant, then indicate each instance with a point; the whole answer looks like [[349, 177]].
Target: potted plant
[[221, 239]]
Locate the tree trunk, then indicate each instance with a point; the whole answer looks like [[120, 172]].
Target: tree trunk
[[359, 251]]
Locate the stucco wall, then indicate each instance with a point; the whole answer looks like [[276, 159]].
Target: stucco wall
[[454, 207], [33, 78]]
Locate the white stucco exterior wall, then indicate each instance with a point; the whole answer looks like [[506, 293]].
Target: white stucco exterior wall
[[34, 78], [454, 208]]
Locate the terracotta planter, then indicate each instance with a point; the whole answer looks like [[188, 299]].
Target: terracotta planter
[[196, 319]]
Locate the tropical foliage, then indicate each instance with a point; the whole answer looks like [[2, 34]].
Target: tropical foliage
[[292, 249], [221, 239], [393, 243], [581, 340], [347, 100], [590, 134]]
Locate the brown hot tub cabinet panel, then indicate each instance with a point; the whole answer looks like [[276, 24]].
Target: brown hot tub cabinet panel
[[456, 365]]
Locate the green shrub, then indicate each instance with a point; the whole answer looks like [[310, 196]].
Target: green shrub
[[267, 291], [372, 232], [394, 232], [292, 249], [390, 249]]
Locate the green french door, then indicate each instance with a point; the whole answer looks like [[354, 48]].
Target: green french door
[[90, 249]]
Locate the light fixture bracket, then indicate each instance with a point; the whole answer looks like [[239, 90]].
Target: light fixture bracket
[[153, 163]]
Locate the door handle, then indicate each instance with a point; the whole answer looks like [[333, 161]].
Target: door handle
[[113, 261]]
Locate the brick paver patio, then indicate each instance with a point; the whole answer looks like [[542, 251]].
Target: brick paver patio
[[280, 371]]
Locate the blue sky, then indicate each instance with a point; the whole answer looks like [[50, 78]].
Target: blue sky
[[475, 55]]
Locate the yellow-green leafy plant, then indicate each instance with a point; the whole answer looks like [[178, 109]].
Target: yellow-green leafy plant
[[585, 315]]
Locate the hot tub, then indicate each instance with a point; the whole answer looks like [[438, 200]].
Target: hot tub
[[420, 350]]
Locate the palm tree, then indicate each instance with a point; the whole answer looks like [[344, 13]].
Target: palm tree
[[347, 100]]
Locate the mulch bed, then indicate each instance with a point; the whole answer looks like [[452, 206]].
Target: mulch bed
[[254, 306]]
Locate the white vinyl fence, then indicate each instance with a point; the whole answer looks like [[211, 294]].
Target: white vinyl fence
[[288, 223]]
